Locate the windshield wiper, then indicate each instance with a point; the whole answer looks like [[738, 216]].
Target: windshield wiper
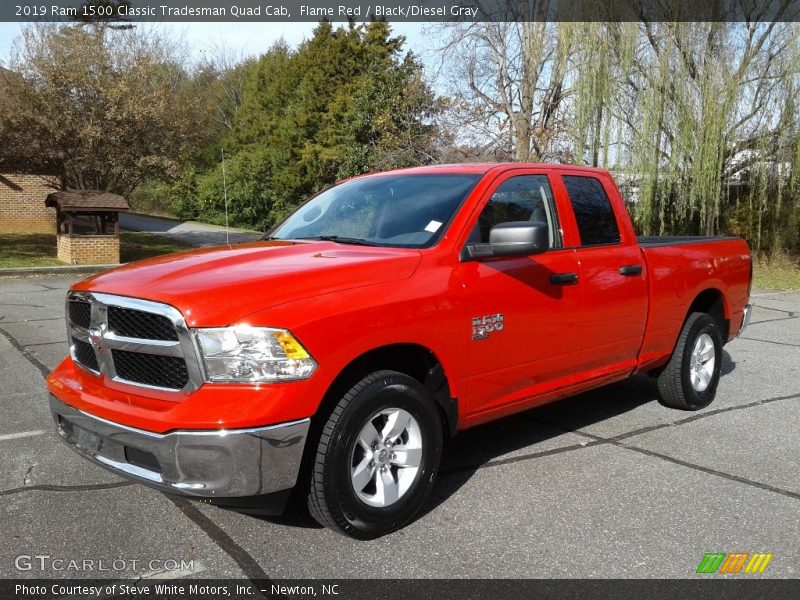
[[339, 240]]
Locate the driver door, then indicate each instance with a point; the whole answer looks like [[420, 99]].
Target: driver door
[[525, 310]]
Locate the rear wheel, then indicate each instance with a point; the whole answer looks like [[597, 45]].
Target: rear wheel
[[689, 380], [377, 457]]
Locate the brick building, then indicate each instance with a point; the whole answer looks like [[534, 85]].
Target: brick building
[[22, 208]]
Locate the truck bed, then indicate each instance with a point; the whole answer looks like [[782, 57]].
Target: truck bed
[[650, 241], [679, 266]]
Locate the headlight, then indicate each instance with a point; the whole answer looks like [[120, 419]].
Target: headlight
[[259, 354]]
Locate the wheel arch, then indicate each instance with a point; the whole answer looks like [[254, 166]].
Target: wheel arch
[[414, 360], [712, 302]]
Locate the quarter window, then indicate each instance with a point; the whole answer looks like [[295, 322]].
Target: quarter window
[[597, 223]]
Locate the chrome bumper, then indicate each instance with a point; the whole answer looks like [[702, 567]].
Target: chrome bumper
[[220, 463], [748, 310]]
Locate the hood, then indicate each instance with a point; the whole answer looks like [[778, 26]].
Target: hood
[[219, 286]]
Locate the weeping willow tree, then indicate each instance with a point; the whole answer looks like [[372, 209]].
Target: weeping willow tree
[[702, 116], [699, 121], [599, 61]]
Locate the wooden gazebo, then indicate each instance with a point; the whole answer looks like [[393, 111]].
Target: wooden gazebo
[[87, 223]]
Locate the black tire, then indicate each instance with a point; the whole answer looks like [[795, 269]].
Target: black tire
[[332, 499], [674, 382]]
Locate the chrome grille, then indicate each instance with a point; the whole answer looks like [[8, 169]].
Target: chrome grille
[[133, 341], [149, 369], [128, 322], [80, 313], [85, 354]]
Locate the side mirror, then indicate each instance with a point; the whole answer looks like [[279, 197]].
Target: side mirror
[[515, 238]]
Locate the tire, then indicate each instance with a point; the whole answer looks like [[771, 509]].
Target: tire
[[342, 462], [689, 380]]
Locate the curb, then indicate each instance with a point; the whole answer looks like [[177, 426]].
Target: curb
[[65, 270]]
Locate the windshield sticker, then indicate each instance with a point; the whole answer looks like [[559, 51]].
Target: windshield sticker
[[433, 226]]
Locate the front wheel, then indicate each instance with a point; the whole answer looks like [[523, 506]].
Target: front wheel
[[377, 458], [689, 381]]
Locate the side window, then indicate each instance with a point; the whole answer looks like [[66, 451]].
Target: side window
[[597, 223], [521, 198]]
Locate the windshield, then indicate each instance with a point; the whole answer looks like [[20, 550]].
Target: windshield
[[410, 211]]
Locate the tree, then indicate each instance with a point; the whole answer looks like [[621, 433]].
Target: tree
[[221, 78], [700, 121], [509, 83], [104, 108], [706, 106], [387, 123], [381, 116], [345, 102]]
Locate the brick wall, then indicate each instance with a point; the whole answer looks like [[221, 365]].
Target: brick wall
[[88, 249], [22, 208]]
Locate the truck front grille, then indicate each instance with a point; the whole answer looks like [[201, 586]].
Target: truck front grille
[[85, 354], [133, 323], [133, 341], [80, 313], [150, 369]]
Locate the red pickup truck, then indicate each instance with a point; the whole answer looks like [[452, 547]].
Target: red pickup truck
[[388, 312]]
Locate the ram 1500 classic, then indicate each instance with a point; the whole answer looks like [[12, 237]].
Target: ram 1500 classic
[[392, 310]]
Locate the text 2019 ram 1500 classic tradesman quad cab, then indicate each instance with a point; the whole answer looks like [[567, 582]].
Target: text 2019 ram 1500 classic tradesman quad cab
[[386, 313]]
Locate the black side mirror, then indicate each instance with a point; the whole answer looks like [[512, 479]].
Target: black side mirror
[[515, 238]]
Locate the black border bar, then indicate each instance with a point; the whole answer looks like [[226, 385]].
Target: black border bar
[[742, 587], [400, 10]]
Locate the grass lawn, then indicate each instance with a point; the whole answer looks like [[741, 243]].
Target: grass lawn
[[39, 250], [779, 274], [27, 250]]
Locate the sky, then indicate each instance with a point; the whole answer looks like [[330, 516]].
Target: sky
[[246, 39]]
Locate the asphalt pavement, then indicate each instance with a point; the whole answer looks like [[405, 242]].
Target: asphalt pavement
[[606, 484]]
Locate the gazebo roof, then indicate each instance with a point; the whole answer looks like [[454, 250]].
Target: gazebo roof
[[87, 201]]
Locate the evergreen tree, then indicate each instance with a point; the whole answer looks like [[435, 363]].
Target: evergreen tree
[[345, 102]]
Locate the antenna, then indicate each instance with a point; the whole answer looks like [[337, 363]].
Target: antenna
[[225, 193]]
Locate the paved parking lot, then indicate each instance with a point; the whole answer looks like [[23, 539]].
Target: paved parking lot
[[607, 484]]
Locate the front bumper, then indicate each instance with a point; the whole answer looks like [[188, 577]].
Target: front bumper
[[212, 464]]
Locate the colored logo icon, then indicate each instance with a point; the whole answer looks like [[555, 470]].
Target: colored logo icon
[[736, 562]]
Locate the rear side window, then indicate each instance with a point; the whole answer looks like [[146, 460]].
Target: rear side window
[[597, 223]]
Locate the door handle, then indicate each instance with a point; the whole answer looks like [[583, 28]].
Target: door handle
[[630, 270], [564, 278]]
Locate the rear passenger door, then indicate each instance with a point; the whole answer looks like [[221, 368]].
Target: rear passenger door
[[611, 276]]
